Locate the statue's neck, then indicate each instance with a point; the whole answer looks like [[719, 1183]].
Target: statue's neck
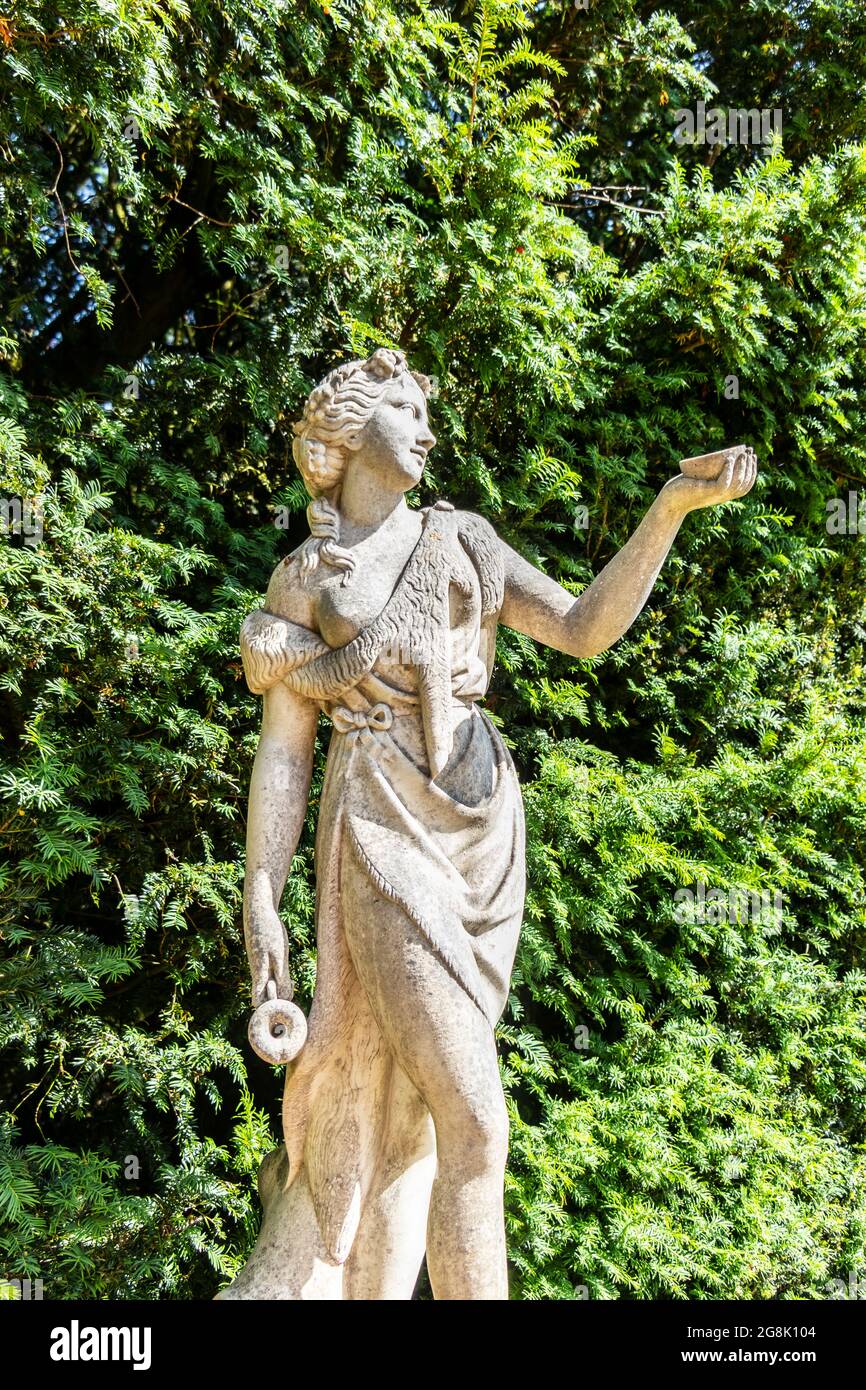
[[365, 506]]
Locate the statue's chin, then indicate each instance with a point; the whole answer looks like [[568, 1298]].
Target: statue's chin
[[408, 472]]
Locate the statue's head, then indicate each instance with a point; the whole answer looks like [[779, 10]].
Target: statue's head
[[370, 414]]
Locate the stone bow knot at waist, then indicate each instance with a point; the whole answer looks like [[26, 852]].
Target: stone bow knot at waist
[[347, 721]]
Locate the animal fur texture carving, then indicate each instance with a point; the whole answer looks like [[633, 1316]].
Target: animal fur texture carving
[[415, 620]]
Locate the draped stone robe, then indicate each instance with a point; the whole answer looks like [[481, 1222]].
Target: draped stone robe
[[421, 792]]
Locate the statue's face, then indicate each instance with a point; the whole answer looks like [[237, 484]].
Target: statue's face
[[395, 441]]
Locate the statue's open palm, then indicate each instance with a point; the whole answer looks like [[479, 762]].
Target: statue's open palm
[[735, 480]]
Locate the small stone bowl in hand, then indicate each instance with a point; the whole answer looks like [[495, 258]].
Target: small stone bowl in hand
[[709, 466]]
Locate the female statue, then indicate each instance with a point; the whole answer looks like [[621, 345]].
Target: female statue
[[385, 619]]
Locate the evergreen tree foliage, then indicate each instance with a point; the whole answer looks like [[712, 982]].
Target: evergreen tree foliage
[[204, 204]]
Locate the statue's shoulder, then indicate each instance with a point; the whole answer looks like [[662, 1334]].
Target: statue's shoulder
[[289, 594], [281, 635], [484, 548], [473, 524]]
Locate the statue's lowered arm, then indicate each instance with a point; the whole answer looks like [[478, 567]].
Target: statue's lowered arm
[[279, 790]]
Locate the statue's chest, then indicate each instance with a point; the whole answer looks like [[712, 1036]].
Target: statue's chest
[[345, 609]]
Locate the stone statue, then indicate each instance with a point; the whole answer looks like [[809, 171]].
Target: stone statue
[[385, 620]]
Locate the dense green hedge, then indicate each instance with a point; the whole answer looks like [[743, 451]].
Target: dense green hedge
[[203, 206]]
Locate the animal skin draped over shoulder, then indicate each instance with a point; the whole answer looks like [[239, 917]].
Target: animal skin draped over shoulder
[[415, 620]]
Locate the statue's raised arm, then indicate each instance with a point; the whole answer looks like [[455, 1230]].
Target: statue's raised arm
[[539, 607]]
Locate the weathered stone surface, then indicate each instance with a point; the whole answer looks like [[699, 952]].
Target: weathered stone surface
[[385, 620]]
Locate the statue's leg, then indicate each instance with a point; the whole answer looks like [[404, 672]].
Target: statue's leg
[[289, 1260], [447, 1049], [389, 1247]]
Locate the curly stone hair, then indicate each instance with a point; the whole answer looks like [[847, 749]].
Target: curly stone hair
[[337, 408]]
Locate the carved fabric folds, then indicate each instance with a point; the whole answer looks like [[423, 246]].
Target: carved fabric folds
[[447, 847]]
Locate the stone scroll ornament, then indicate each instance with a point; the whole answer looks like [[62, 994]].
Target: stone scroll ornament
[[395, 1128]]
